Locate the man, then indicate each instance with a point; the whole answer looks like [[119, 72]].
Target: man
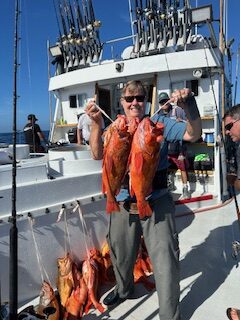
[[232, 129], [176, 150], [34, 135], [159, 231], [83, 128], [164, 103]]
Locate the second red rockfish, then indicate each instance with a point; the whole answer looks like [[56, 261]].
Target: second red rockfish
[[144, 158]]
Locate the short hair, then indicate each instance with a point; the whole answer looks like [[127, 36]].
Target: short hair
[[233, 112], [133, 86]]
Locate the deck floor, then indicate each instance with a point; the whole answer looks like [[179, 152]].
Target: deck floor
[[210, 277]]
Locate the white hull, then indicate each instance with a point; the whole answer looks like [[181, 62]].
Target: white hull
[[45, 185]]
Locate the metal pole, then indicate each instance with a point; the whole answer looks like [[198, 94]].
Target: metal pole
[[236, 76], [222, 47], [49, 93], [131, 19], [13, 262]]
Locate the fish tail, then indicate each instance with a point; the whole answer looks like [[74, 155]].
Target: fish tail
[[94, 301], [99, 307], [112, 206], [144, 209]]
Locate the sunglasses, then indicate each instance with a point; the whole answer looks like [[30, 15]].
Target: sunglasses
[[229, 126], [131, 98]]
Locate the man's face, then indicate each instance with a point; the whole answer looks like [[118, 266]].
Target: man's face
[[165, 106], [233, 128], [136, 107]]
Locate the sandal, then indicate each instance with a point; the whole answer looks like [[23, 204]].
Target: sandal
[[233, 313]]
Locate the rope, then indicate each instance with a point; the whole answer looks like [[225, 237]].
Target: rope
[[39, 258], [84, 228], [67, 243]]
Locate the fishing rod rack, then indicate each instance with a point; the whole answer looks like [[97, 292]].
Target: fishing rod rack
[[160, 24], [157, 24], [78, 43]]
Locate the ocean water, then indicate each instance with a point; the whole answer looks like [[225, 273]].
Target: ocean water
[[8, 137]]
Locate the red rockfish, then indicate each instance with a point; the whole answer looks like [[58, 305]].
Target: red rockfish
[[117, 146], [143, 161]]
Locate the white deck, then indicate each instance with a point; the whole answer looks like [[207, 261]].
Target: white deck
[[210, 279]]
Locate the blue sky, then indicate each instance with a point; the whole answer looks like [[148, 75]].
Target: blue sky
[[38, 24]]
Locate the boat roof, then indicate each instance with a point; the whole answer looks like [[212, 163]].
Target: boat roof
[[139, 67]]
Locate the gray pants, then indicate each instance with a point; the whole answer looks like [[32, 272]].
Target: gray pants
[[161, 240]]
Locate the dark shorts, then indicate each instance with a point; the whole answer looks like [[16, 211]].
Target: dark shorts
[[182, 165]]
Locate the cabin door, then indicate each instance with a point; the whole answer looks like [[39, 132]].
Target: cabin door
[[104, 101]]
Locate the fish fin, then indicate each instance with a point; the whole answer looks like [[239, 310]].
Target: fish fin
[[112, 206], [144, 209]]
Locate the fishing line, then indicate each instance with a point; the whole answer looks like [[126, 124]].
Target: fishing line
[[67, 234], [67, 243], [84, 228], [103, 112], [38, 254]]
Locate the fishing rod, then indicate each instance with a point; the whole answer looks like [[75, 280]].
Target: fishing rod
[[139, 23], [60, 38], [72, 36], [94, 31], [69, 31], [96, 23], [13, 254], [87, 31], [80, 24], [70, 16], [91, 26], [65, 40]]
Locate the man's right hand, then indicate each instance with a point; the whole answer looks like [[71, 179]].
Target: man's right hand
[[93, 112]]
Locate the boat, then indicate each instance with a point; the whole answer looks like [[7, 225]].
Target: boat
[[60, 191]]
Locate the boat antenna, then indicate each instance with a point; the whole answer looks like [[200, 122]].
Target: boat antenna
[[13, 254]]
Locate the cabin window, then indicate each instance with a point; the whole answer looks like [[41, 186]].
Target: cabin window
[[78, 101], [82, 100], [178, 85], [73, 101], [191, 84]]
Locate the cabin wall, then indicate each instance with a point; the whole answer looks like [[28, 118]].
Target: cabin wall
[[70, 114]]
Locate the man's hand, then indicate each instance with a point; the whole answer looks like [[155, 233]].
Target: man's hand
[[93, 112]]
